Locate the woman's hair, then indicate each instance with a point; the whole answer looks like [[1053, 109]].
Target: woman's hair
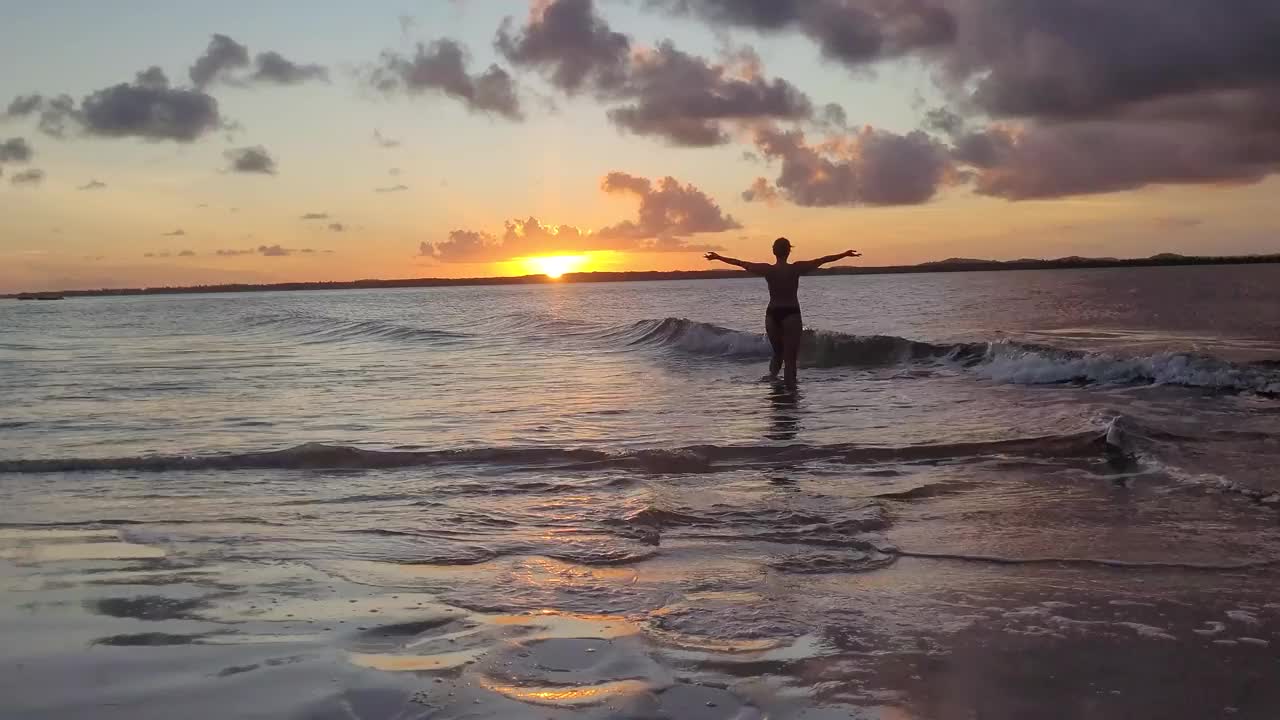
[[781, 247]]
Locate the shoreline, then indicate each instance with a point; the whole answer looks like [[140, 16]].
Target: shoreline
[[944, 266]]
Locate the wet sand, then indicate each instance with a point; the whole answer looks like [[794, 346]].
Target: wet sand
[[95, 626]]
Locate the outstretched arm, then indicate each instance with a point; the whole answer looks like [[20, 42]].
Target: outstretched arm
[[819, 262], [757, 268]]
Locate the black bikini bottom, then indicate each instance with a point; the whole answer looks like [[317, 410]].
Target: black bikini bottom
[[778, 314]]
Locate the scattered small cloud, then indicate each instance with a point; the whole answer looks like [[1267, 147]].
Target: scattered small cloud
[[441, 67], [250, 160], [15, 150], [394, 172], [175, 233], [316, 216], [92, 185], [234, 253], [392, 189], [33, 176], [337, 227], [187, 253], [227, 61], [384, 141], [272, 67], [761, 191]]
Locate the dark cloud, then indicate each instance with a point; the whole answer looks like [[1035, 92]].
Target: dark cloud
[[337, 227], [316, 216], [662, 92], [1065, 97], [572, 43], [250, 160], [669, 212], [175, 233], [153, 77], [392, 189], [685, 99], [15, 150], [54, 114], [234, 253], [223, 56], [272, 67], [384, 141], [187, 253], [92, 185], [869, 167], [441, 67], [149, 112], [33, 176], [853, 32], [274, 251]]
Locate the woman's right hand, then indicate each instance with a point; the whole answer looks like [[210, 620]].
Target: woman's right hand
[[852, 253], [712, 256]]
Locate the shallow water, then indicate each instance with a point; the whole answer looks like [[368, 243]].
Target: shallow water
[[580, 499]]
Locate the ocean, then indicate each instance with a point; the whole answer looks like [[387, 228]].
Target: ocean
[[1008, 494]]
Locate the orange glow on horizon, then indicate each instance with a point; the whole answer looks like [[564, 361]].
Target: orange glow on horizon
[[554, 266]]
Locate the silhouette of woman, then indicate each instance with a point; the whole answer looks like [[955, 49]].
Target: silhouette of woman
[[782, 322]]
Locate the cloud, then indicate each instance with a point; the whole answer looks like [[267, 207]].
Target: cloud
[[250, 160], [175, 233], [272, 67], [221, 57], [92, 185], [384, 141], [153, 77], [668, 213], [661, 92], [337, 227], [1065, 97], [394, 172], [55, 113], [392, 189], [568, 39], [187, 253], [33, 176], [684, 99], [668, 210], [149, 112], [274, 251], [868, 167], [234, 253], [762, 191], [15, 150], [315, 216], [227, 61], [853, 32], [441, 67]]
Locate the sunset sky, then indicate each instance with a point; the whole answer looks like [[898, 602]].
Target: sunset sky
[[149, 142]]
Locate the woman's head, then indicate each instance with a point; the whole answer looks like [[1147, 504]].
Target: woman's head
[[781, 248]]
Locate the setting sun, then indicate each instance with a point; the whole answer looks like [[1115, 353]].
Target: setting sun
[[555, 265]]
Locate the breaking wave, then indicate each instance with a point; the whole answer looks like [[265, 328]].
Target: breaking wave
[[1002, 361], [692, 459]]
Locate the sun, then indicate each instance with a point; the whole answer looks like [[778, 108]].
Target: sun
[[554, 266]]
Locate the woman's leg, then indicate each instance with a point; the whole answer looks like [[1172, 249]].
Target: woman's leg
[[773, 329], [792, 334]]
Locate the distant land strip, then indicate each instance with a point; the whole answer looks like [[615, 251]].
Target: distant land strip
[[949, 265]]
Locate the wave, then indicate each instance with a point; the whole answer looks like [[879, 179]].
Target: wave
[[1001, 360], [692, 459], [328, 329]]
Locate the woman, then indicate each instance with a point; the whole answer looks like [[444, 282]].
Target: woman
[[782, 320]]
